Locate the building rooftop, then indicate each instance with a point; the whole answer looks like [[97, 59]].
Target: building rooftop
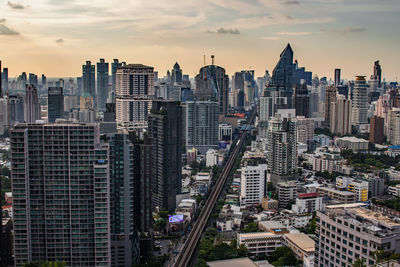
[[242, 262], [350, 205], [256, 235], [303, 241], [375, 216], [333, 190], [352, 139]]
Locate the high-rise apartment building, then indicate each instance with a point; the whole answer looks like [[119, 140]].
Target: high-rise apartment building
[[165, 131], [337, 77], [287, 192], [201, 125], [330, 97], [134, 93], [348, 232], [61, 197], [376, 130], [360, 101], [32, 106], [213, 84], [341, 112], [253, 184], [393, 130], [282, 146], [102, 84], [55, 103], [89, 80], [282, 75], [305, 129], [302, 100]]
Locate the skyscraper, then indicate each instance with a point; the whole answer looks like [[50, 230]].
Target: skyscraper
[[102, 84], [341, 112], [302, 100], [88, 80], [282, 75], [123, 201], [330, 97], [44, 81], [16, 109], [134, 93], [33, 80], [282, 146], [337, 77], [393, 131], [378, 73], [376, 130], [201, 125], [5, 80], [32, 106], [165, 131], [360, 101], [213, 84], [61, 194], [55, 103], [176, 74]]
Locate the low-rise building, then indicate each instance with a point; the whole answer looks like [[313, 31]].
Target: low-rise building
[[287, 192], [308, 202], [302, 246], [259, 244], [353, 143], [270, 204], [360, 188], [394, 190], [394, 150], [211, 158], [337, 195]]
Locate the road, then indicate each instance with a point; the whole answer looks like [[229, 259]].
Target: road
[[183, 259]]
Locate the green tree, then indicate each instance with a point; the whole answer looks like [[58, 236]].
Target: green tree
[[360, 263], [251, 228]]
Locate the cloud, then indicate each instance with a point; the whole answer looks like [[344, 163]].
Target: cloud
[[15, 6], [271, 38], [345, 30], [59, 41], [294, 33], [7, 31], [291, 2], [225, 31], [2, 20]]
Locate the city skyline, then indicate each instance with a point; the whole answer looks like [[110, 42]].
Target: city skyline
[[57, 37]]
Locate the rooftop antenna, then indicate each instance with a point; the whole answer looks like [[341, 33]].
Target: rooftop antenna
[[212, 59]]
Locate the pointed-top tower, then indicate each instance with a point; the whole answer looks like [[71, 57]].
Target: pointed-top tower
[[176, 74], [282, 75]]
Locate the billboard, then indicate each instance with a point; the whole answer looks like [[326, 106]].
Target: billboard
[[222, 145], [176, 218]]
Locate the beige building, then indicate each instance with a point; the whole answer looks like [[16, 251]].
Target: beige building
[[393, 127], [337, 195], [303, 246], [269, 204], [353, 143], [341, 111]]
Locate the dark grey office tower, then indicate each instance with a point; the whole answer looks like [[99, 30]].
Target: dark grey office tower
[[44, 81], [201, 125], [5, 81], [32, 106], [142, 180], [123, 203], [282, 75], [300, 74], [33, 80], [302, 100], [378, 73], [238, 81], [102, 84], [176, 74], [114, 66], [337, 77], [16, 108], [61, 194], [88, 80], [165, 131], [55, 103], [213, 84], [79, 84], [109, 115]]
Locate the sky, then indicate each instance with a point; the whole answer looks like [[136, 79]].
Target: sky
[[56, 37]]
